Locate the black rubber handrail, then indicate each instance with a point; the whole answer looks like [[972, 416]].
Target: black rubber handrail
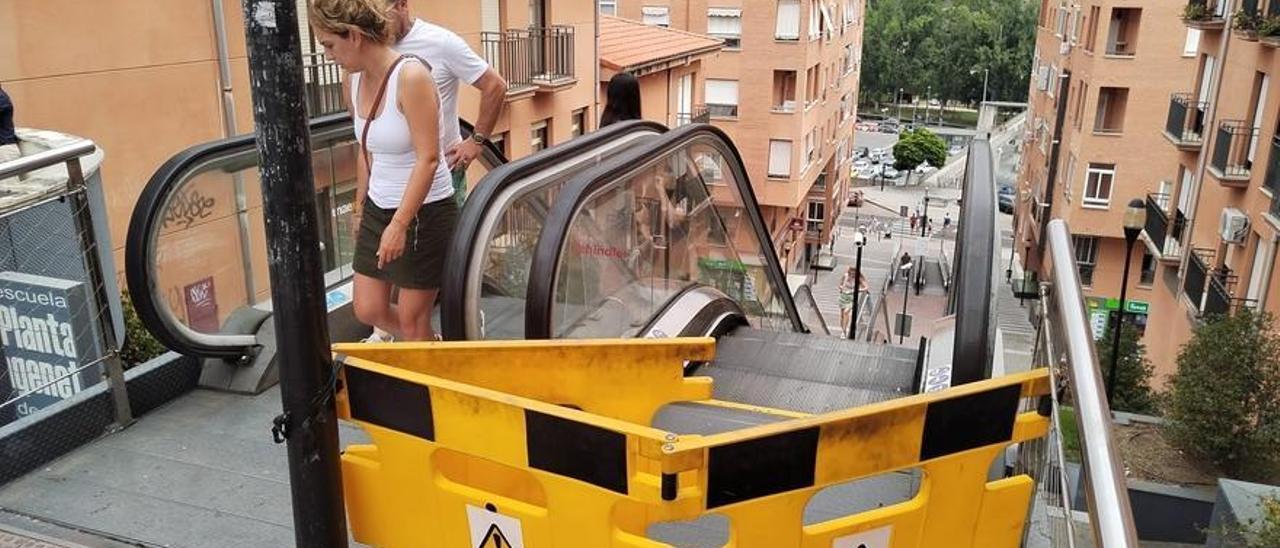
[[481, 206], [148, 217], [973, 280], [540, 301]]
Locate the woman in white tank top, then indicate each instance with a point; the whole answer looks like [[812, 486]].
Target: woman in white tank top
[[405, 212]]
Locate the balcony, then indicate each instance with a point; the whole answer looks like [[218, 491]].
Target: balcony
[[1217, 300], [1185, 124], [539, 59], [1231, 163], [1205, 14], [1194, 282], [700, 115], [322, 85], [1157, 227]]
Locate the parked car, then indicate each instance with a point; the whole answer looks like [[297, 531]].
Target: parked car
[[956, 150], [859, 165], [860, 152], [925, 168], [891, 173]]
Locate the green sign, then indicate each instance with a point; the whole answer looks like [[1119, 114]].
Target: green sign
[[722, 264], [1130, 306]]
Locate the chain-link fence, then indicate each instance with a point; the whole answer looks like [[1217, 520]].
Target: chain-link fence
[[60, 321]]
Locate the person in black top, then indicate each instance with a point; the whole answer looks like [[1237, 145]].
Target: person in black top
[[8, 139], [622, 99]]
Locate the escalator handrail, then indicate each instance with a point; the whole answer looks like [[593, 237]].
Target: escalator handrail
[[148, 217], [973, 280], [144, 225], [481, 204], [807, 292], [544, 272]]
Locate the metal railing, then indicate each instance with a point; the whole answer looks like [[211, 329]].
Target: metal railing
[[1185, 123], [511, 54], [700, 115], [1272, 180], [1196, 278], [552, 54], [58, 248], [1157, 226], [1231, 149], [1217, 299], [322, 84], [1064, 344]]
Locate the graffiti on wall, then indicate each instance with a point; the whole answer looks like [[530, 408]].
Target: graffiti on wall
[[188, 207]]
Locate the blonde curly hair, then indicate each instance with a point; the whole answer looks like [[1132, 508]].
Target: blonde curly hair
[[343, 17]]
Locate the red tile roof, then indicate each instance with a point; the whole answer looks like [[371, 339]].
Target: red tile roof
[[631, 45]]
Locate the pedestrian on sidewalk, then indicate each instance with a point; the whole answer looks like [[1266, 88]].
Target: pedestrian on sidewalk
[[405, 211], [913, 222], [946, 220], [452, 61], [852, 284]]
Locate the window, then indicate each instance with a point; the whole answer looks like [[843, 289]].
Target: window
[[1051, 80], [1148, 274], [1086, 256], [815, 19], [1080, 99], [722, 98], [784, 90], [817, 212], [809, 150], [726, 24], [1261, 82], [658, 16], [609, 7], [1192, 45], [849, 56], [850, 12], [811, 86], [579, 121], [539, 135], [1091, 37], [788, 27], [1097, 184], [1122, 36], [1070, 176], [1111, 107], [779, 158]]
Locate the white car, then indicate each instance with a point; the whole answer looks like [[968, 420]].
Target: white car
[[891, 173], [925, 168], [860, 165]]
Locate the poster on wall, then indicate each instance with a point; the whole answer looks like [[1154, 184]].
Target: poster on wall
[[46, 335], [202, 306]]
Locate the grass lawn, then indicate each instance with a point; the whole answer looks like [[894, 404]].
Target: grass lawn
[[1070, 435]]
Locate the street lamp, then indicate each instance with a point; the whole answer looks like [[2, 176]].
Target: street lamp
[[924, 222], [905, 269], [1135, 217], [901, 93], [985, 73], [859, 240]]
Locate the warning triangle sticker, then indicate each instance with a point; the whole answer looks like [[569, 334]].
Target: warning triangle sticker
[[493, 538]]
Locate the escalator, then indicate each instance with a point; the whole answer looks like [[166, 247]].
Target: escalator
[[667, 240]]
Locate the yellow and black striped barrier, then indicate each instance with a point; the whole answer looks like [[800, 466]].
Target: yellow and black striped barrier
[[548, 443]]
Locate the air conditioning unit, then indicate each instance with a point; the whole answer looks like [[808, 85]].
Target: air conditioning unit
[[1233, 226], [1066, 47]]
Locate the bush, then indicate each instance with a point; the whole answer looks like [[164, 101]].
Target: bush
[[1133, 376], [1195, 12], [1224, 405], [139, 345]]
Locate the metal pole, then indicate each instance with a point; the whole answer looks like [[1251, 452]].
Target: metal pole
[[924, 222], [308, 424], [1115, 337], [906, 294], [985, 74], [857, 294]]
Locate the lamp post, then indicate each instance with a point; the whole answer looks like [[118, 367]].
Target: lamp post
[[905, 269], [985, 74], [859, 240], [924, 222], [899, 101], [1135, 217]]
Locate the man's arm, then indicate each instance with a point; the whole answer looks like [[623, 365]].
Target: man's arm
[[493, 96]]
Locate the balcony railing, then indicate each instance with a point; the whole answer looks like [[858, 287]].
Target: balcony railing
[[322, 84], [1185, 124], [530, 58], [1231, 161], [723, 111], [1157, 220], [1217, 300], [1196, 279], [1205, 14], [700, 115], [1272, 181]]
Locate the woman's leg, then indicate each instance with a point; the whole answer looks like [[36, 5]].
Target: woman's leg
[[414, 311], [844, 319], [372, 302]]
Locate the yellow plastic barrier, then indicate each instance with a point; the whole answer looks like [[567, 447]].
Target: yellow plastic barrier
[[548, 443]]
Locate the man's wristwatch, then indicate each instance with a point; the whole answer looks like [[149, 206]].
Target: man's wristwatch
[[479, 138]]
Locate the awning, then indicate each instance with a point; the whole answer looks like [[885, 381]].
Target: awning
[[724, 12]]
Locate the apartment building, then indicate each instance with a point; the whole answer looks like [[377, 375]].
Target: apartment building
[[1215, 221], [785, 89], [142, 79], [667, 62], [1106, 76]]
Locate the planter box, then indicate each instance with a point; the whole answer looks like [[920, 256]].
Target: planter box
[[1247, 35]]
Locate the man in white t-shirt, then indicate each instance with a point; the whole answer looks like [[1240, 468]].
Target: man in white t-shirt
[[452, 61]]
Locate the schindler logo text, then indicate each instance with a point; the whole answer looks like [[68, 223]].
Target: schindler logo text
[[46, 337]]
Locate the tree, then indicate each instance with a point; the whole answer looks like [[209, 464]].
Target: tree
[[916, 147], [1224, 405], [1133, 372]]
